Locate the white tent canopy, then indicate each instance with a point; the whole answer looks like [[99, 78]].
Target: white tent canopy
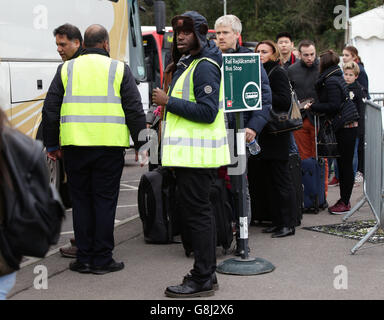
[[367, 35]]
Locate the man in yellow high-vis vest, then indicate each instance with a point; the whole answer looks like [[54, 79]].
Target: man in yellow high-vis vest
[[194, 143], [92, 102]]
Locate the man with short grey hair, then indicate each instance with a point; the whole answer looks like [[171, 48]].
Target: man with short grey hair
[[228, 29]]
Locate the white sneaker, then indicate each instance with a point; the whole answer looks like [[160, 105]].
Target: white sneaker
[[359, 178]]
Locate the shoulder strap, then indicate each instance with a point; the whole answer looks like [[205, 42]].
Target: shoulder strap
[[273, 69], [210, 60]]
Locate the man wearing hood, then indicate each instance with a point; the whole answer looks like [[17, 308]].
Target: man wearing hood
[[194, 143]]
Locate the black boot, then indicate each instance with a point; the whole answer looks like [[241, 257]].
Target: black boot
[[215, 284], [283, 232], [190, 289]]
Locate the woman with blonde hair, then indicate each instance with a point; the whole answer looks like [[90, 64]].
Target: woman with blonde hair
[[269, 180]]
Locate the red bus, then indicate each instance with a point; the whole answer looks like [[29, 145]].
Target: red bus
[[157, 52]]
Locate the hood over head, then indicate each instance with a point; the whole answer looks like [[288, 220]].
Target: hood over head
[[190, 21]]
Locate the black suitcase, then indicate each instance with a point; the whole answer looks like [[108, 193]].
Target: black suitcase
[[313, 172], [157, 206], [296, 177]]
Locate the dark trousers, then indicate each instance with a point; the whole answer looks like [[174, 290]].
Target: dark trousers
[[198, 220], [360, 153], [94, 182], [271, 190], [346, 140]]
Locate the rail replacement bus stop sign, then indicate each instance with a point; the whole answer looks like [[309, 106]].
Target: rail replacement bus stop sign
[[242, 92], [242, 82]]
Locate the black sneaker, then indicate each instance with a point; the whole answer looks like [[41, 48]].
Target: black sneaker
[[80, 267], [113, 266], [190, 289]]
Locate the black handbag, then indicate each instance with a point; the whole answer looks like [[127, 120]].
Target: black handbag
[[326, 141], [286, 121]]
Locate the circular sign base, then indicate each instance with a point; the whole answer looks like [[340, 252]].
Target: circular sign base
[[245, 267]]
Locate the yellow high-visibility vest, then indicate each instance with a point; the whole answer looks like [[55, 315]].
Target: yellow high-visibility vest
[[193, 144], [91, 113]]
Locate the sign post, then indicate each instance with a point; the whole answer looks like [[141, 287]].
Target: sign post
[[242, 93]]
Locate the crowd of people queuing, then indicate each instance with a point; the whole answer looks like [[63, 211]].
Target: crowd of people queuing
[[321, 86]]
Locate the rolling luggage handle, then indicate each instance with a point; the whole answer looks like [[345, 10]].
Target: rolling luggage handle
[[316, 119], [317, 125]]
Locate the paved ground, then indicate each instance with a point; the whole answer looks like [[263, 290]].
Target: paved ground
[[309, 265]]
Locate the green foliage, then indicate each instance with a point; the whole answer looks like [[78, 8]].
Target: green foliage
[[263, 19], [365, 5]]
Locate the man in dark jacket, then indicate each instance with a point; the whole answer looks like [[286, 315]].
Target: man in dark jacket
[[228, 29], [303, 76], [94, 140], [187, 109], [69, 45], [286, 47], [69, 41]]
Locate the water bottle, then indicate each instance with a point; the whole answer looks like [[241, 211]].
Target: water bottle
[[253, 147]]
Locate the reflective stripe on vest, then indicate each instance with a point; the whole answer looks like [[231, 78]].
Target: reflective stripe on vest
[[91, 113], [187, 143]]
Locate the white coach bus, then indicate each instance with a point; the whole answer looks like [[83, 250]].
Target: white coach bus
[[29, 57]]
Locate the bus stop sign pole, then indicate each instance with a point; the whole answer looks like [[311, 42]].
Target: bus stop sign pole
[[241, 76], [243, 265]]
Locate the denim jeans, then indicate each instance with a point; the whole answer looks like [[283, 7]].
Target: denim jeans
[[6, 284]]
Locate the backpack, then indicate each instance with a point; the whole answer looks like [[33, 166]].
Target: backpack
[[33, 208]]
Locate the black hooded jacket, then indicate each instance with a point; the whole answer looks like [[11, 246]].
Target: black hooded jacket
[[206, 77], [206, 74]]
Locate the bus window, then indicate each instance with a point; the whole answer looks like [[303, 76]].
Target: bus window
[[136, 52]]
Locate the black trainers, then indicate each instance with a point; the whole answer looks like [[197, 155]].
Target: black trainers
[[113, 266], [190, 289], [80, 267]]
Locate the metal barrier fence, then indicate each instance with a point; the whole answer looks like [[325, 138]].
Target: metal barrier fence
[[377, 97], [373, 167]]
